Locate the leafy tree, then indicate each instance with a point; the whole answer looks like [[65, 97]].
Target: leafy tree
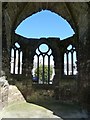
[[45, 72]]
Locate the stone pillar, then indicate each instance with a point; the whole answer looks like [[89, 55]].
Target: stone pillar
[[27, 75], [57, 76], [84, 63]]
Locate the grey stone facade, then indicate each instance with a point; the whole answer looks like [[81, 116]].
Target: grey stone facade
[[77, 14], [4, 90]]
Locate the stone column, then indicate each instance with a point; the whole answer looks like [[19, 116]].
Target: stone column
[[83, 58], [57, 76], [27, 75]]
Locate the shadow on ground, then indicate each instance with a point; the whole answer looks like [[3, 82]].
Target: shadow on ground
[[67, 111]]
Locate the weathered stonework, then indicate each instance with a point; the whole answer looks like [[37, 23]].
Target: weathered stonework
[[29, 46], [4, 89], [77, 14]]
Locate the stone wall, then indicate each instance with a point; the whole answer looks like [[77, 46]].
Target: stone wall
[[77, 14], [9, 94], [4, 89], [24, 81], [84, 57]]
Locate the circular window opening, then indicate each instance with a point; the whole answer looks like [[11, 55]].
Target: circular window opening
[[43, 48], [43, 65]]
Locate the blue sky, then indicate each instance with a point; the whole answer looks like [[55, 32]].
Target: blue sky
[[44, 24]]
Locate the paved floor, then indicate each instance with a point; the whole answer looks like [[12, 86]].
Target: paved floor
[[65, 110], [19, 108], [45, 110], [26, 110]]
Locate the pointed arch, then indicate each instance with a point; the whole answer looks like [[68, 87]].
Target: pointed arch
[[16, 59], [39, 25], [43, 65], [70, 60]]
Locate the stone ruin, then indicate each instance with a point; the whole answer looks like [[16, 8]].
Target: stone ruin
[[77, 14], [8, 93], [4, 89]]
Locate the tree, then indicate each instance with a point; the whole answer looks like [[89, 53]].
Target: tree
[[45, 72]]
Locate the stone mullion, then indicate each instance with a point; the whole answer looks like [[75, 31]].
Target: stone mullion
[[67, 64], [43, 78], [14, 61], [72, 61], [23, 64], [48, 69], [18, 61], [38, 69]]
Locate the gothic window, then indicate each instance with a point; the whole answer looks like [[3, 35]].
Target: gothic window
[[43, 65], [16, 59], [70, 61]]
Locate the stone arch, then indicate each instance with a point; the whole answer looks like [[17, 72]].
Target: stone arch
[[43, 64], [16, 58], [75, 13], [70, 59], [51, 42], [51, 6]]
